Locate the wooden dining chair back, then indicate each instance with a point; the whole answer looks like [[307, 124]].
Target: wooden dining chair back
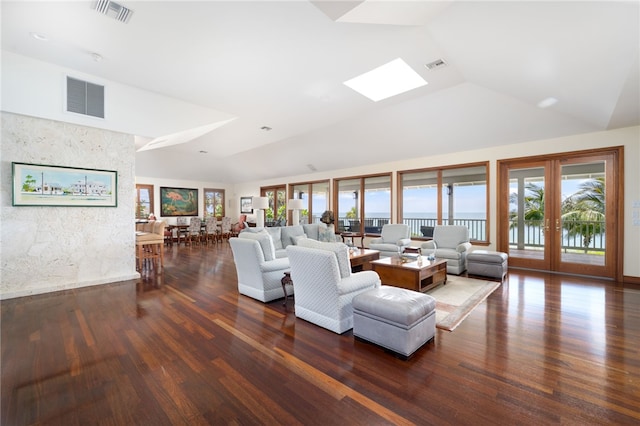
[[211, 230], [194, 231]]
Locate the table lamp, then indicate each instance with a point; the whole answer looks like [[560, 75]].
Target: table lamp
[[295, 205], [259, 204]]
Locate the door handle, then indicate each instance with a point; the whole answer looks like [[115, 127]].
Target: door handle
[[546, 227], [557, 224]]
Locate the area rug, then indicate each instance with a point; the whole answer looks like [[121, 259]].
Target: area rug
[[458, 297]]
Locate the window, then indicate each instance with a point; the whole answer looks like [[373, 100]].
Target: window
[[213, 202], [363, 203], [450, 196], [277, 211], [144, 201], [315, 196]]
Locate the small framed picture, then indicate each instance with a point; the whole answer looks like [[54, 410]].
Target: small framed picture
[[245, 205]]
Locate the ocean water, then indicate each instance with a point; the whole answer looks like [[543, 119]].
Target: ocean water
[[424, 215]]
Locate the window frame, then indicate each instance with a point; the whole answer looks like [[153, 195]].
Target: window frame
[[293, 192], [440, 193], [205, 191], [151, 190], [360, 199]]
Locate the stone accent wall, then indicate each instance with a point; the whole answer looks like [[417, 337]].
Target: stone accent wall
[[44, 249]]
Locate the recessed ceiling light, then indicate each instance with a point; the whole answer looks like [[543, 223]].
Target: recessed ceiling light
[[386, 81], [40, 36], [547, 102]]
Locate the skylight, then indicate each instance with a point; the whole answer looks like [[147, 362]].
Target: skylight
[[386, 81]]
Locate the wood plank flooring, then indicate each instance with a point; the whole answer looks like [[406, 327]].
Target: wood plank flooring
[[183, 347]]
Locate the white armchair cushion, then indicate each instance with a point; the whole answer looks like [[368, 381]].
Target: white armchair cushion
[[340, 250], [289, 233], [265, 240]]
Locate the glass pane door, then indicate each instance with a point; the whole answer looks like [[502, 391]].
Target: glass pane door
[[583, 216], [528, 220]]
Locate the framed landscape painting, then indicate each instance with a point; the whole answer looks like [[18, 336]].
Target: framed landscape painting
[[43, 185], [178, 201]]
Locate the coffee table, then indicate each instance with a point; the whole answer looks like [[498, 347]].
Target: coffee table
[[410, 275], [360, 259]]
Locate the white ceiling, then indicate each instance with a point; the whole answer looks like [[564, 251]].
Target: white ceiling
[[282, 64]]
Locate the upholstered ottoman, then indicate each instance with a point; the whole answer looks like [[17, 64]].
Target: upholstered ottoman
[[492, 264], [395, 318]]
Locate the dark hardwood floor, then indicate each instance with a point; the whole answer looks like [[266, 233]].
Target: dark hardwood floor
[[183, 347]]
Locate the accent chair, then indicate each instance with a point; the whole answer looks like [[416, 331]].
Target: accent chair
[[325, 285], [392, 240], [259, 272], [450, 242]]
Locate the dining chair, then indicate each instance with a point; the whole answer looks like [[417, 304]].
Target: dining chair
[[194, 230], [211, 230], [225, 228]]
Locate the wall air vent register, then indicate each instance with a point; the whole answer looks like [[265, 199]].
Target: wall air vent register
[[85, 98]]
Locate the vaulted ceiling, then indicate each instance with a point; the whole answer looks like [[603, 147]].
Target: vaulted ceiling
[[282, 64]]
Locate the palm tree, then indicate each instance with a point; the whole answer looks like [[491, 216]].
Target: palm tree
[[583, 213], [533, 204]]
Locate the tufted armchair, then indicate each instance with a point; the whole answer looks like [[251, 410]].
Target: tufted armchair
[[392, 240], [259, 272], [450, 242], [324, 284]]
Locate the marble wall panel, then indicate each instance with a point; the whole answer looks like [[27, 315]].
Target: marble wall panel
[[45, 249]]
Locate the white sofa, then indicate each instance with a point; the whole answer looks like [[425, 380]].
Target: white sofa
[[450, 242], [324, 284], [284, 236], [393, 239], [259, 271]]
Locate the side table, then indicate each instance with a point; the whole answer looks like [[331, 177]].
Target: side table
[[284, 281], [353, 236]]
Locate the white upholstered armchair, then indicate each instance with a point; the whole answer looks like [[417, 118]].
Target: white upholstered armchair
[[450, 242], [392, 240], [325, 285], [259, 272]]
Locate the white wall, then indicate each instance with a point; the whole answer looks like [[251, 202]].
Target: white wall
[[627, 137], [55, 248], [37, 88]]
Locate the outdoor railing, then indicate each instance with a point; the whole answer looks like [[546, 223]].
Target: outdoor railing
[[589, 238], [532, 234]]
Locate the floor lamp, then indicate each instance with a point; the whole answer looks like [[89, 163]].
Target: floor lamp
[[295, 205], [259, 204]]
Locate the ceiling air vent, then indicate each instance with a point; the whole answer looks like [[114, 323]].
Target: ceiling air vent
[[114, 10], [440, 63], [85, 98]]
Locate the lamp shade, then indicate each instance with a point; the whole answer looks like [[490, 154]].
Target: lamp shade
[[260, 203], [295, 204]]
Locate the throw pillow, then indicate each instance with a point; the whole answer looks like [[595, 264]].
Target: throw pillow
[[276, 236], [298, 238], [326, 234]]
